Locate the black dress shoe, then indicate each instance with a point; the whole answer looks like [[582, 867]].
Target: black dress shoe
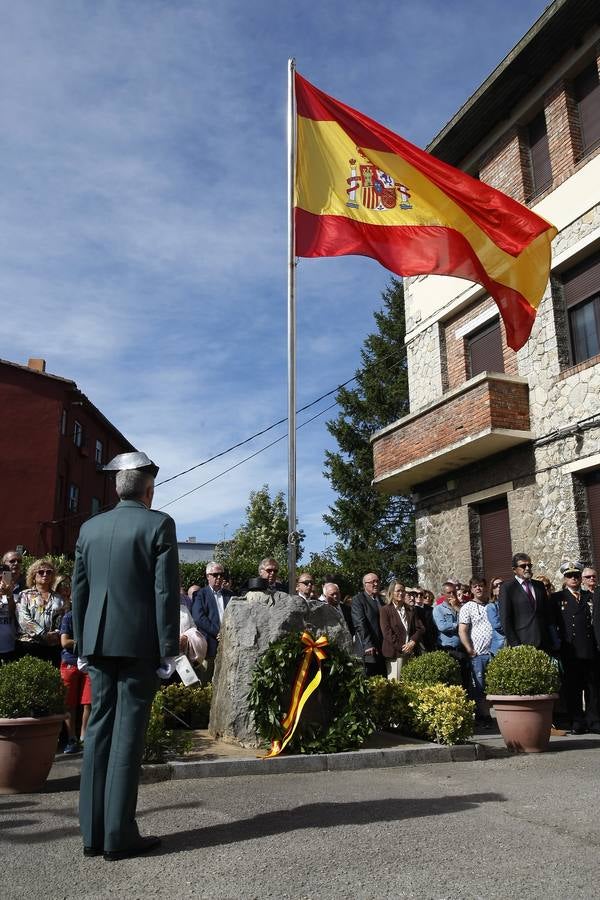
[[578, 729], [92, 851], [142, 845]]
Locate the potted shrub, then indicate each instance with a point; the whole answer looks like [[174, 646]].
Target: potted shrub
[[522, 683], [32, 710]]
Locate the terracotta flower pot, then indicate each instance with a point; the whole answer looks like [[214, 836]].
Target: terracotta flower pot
[[27, 748], [524, 721]]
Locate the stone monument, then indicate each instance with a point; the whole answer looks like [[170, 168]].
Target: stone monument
[[249, 625]]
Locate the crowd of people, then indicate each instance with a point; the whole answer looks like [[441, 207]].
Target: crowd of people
[[36, 619], [469, 620], [472, 622]]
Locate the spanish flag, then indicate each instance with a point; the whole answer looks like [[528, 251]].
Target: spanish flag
[[361, 189]]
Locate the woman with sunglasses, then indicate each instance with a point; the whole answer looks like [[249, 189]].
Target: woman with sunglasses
[[39, 612]]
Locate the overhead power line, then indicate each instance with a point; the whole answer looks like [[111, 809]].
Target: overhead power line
[[246, 458]]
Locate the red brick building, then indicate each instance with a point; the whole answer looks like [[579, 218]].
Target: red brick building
[[53, 446]]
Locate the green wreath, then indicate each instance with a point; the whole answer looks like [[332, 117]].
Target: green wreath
[[343, 695]]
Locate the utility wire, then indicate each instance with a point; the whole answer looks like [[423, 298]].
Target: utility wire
[[83, 515], [246, 459]]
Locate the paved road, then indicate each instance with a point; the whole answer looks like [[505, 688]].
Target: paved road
[[523, 827]]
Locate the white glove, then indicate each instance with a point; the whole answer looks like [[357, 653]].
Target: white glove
[[166, 668], [82, 663]]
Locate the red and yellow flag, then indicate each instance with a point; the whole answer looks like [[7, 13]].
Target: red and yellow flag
[[361, 189]]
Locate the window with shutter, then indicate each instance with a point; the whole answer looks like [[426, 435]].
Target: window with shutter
[[587, 94], [539, 155], [485, 350], [494, 527], [581, 286]]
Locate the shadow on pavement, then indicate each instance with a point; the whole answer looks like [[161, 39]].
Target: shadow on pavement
[[573, 744], [319, 815], [58, 785]]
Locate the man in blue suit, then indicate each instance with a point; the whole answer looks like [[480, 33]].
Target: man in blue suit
[[125, 619], [208, 606]]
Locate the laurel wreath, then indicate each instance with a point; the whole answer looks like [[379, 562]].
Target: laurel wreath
[[343, 692]]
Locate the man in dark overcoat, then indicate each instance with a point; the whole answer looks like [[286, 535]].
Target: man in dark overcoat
[[125, 620]]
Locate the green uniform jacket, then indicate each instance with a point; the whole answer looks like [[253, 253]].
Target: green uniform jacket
[[125, 594]]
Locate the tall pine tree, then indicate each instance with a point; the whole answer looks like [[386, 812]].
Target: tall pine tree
[[375, 531]]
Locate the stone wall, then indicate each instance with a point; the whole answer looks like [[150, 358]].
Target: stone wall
[[546, 510], [443, 546], [424, 368]]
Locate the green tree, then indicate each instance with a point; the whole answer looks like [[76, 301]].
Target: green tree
[[375, 532], [264, 533]]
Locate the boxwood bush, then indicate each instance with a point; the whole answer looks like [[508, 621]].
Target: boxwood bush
[[30, 687], [186, 707], [431, 668], [522, 671], [437, 712]]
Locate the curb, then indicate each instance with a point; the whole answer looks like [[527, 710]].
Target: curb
[[179, 770]]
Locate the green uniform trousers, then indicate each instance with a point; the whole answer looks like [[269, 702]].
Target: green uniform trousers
[[122, 692]]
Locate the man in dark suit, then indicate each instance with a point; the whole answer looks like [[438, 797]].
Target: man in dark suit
[[125, 620], [525, 612], [579, 651], [365, 616], [208, 606]]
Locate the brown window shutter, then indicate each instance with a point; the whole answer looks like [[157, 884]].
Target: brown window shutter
[[495, 538], [593, 502], [485, 350], [587, 94], [583, 280], [539, 153]]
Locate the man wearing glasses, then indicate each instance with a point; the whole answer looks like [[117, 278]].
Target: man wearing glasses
[[208, 607], [14, 561], [304, 585], [365, 616], [524, 609]]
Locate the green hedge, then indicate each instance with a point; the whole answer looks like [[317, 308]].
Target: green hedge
[[435, 712]]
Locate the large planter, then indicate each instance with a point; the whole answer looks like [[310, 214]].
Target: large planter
[[27, 748], [525, 722]]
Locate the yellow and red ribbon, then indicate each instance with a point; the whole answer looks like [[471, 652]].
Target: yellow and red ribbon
[[300, 690]]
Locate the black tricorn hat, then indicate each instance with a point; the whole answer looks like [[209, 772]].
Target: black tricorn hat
[[257, 584]]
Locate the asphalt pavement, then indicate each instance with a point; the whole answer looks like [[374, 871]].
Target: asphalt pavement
[[524, 826]]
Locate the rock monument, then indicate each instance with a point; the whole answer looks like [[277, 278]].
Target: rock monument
[[249, 625]]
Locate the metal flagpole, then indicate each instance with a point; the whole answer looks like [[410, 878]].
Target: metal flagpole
[[291, 142]]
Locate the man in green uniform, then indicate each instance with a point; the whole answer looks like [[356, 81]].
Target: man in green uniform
[[125, 620]]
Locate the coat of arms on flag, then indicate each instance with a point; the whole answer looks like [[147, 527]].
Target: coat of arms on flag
[[376, 188]]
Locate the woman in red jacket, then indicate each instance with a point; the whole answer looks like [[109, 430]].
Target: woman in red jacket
[[402, 628]]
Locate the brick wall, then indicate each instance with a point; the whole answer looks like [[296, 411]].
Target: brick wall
[[455, 371], [564, 136], [503, 167], [490, 403], [507, 166]]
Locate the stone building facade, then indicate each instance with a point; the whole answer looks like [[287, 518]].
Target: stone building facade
[[501, 450]]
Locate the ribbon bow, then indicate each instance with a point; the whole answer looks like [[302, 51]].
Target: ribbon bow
[[300, 691]]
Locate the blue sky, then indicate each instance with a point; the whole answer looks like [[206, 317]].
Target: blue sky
[[143, 226]]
